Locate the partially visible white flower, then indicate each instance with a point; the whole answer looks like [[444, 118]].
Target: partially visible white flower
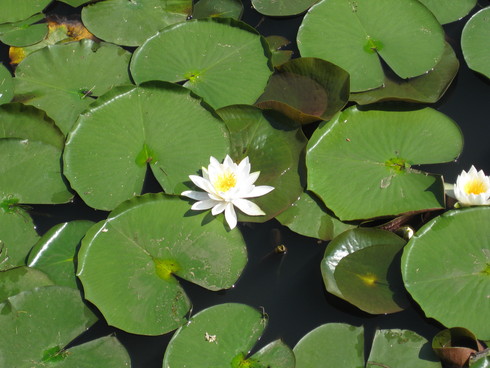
[[227, 185], [472, 188]]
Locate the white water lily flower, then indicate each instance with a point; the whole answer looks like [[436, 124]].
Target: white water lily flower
[[472, 188], [227, 185]]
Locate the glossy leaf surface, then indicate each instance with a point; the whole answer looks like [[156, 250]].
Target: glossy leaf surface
[[133, 127], [446, 269], [84, 71], [447, 12], [147, 241], [62, 315], [6, 85], [355, 35], [360, 163], [475, 42], [55, 252], [224, 61]]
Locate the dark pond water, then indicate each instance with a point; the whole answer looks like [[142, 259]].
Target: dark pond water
[[289, 286]]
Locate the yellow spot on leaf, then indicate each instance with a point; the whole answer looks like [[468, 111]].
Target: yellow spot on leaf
[[369, 279]]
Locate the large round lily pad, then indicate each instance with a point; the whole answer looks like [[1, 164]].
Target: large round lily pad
[[360, 163], [330, 344], [130, 23], [275, 146], [362, 267], [30, 147], [307, 90], [282, 8], [449, 11], [308, 216], [475, 42], [147, 241], [56, 251], [222, 337], [84, 71], [222, 60], [356, 34], [446, 269], [14, 10], [36, 325], [162, 124]]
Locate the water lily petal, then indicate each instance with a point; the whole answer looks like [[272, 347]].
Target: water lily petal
[[259, 191], [218, 208], [198, 196], [230, 215], [204, 205], [202, 183], [248, 207]]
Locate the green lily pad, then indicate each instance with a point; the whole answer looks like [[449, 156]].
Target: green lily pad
[[25, 32], [6, 85], [427, 88], [307, 90], [224, 61], [55, 252], [20, 279], [131, 127], [370, 279], [218, 8], [31, 146], [148, 240], [275, 146], [130, 23], [62, 315], [17, 234], [360, 163], [75, 3], [330, 344], [447, 12], [309, 217], [401, 349], [279, 56], [84, 70], [222, 337], [282, 8], [360, 266], [446, 269], [475, 42], [14, 10], [105, 352], [355, 34]]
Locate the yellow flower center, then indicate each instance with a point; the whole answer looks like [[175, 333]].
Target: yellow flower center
[[475, 186], [225, 182]]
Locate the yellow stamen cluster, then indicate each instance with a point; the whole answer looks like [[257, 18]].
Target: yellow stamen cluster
[[475, 187], [225, 182]]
